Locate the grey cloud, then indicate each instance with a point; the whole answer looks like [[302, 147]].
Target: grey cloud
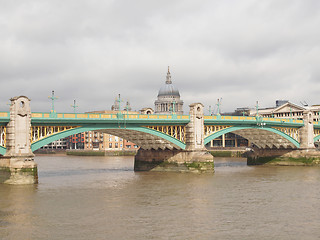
[[242, 51]]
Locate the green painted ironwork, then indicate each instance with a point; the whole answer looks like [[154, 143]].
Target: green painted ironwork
[[232, 129], [82, 118], [240, 121], [53, 112], [46, 140], [218, 105], [98, 121], [316, 138], [119, 111], [3, 150], [74, 106]]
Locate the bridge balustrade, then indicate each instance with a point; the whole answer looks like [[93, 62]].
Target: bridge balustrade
[[106, 116]]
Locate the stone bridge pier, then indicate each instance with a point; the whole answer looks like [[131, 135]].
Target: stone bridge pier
[[17, 166], [305, 153], [306, 132], [194, 158]]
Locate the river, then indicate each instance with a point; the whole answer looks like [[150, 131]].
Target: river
[[103, 198]]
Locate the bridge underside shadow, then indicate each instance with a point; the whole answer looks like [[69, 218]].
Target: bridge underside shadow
[[145, 140], [263, 138], [2, 150]]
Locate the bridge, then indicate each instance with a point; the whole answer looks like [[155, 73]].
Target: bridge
[[173, 138]]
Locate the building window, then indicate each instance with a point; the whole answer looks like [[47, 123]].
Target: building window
[[116, 145], [110, 145]]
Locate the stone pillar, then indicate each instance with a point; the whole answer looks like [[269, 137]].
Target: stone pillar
[[306, 132], [194, 129], [194, 158], [17, 166], [195, 149]]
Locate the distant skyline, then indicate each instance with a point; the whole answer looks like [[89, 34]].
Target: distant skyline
[[92, 50]]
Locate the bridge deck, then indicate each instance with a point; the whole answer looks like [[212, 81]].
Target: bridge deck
[[45, 117], [160, 130]]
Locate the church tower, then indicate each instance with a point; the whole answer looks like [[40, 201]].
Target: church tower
[[168, 101]]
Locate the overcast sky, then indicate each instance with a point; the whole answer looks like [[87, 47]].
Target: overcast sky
[[91, 50]]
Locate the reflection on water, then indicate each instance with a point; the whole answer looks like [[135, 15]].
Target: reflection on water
[[102, 198]]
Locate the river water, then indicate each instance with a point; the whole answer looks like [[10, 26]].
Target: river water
[[103, 198]]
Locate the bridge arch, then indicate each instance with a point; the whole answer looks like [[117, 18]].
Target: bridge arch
[[316, 138], [272, 136], [2, 150], [149, 138]]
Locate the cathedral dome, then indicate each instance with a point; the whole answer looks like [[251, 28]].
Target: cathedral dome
[[168, 89], [168, 101]]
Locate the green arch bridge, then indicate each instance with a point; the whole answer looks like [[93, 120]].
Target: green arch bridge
[[160, 131]]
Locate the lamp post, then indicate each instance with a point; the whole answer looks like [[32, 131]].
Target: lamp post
[[218, 105], [74, 106], [127, 109], [119, 101], [53, 112]]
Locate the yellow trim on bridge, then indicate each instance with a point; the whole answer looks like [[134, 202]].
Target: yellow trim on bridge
[[36, 115]]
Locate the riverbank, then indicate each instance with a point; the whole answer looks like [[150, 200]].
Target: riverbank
[[100, 153], [80, 152], [284, 161], [284, 157], [228, 153]]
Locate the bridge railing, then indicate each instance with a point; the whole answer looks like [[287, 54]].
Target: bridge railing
[[4, 118], [148, 116], [106, 116], [248, 119], [4, 114]]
